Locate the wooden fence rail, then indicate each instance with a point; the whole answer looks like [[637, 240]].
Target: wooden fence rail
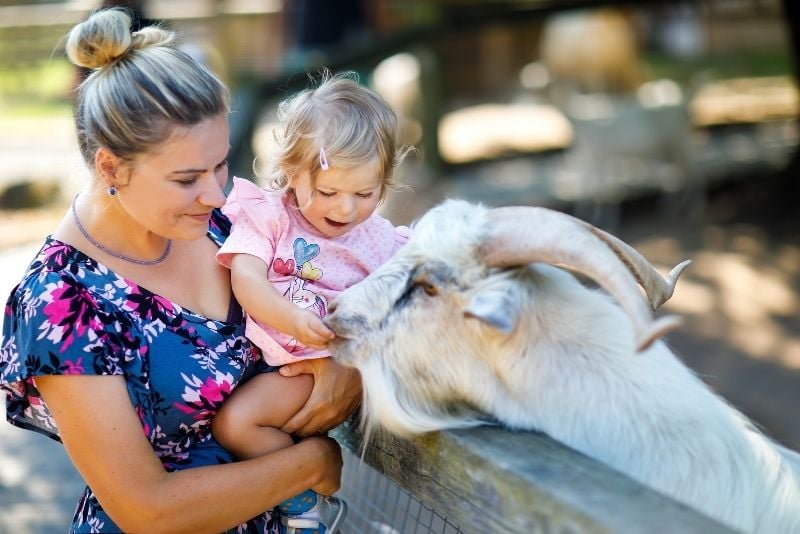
[[491, 480]]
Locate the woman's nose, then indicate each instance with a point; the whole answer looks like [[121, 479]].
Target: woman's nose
[[213, 195]]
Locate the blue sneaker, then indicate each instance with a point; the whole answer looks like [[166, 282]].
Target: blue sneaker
[[325, 517]]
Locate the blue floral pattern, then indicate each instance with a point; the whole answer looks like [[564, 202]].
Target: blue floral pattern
[[72, 315]]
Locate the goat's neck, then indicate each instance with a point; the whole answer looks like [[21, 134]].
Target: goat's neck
[[650, 417]]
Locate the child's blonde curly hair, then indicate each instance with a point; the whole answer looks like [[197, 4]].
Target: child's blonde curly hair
[[348, 122]]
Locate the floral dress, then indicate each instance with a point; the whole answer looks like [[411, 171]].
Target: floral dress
[[73, 315]]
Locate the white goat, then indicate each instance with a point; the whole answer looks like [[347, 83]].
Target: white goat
[[468, 322]]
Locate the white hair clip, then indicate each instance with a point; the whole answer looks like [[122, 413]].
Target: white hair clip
[[323, 160]]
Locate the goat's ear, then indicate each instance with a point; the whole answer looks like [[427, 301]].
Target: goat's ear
[[496, 308]]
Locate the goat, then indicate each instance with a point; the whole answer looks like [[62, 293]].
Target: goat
[[473, 321]]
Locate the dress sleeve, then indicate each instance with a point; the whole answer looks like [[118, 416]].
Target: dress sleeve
[[54, 325], [257, 217], [401, 235]]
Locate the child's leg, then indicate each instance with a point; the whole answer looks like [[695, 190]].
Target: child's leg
[[248, 424]]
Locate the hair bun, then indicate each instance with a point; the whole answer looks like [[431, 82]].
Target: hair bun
[[101, 39], [152, 36], [106, 36]]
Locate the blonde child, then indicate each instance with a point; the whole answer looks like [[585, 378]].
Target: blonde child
[[293, 248]]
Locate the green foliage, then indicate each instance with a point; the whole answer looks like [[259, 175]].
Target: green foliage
[[36, 88], [721, 66]]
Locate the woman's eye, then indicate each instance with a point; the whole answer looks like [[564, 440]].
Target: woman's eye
[[188, 181], [223, 164]]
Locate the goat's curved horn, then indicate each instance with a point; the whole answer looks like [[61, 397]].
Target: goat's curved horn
[[520, 235], [658, 288]]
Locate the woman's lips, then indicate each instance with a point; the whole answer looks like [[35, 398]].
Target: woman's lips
[[202, 217]]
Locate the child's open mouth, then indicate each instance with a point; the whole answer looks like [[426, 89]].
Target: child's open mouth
[[335, 224]]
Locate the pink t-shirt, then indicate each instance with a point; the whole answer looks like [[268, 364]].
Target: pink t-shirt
[[305, 266]]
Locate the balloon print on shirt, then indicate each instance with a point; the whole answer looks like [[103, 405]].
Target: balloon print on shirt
[[302, 271]]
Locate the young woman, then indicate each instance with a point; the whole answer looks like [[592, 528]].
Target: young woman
[[123, 338]]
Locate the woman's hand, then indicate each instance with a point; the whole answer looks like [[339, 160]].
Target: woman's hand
[[330, 468], [336, 393]]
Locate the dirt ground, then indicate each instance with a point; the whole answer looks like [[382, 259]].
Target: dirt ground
[[740, 299]]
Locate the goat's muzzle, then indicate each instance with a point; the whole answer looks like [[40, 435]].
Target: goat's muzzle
[[348, 330]]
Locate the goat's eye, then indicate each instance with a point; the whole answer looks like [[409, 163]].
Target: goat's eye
[[428, 288]]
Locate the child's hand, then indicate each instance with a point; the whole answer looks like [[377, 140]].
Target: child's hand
[[310, 330]]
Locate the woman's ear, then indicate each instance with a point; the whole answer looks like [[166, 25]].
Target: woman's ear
[[109, 166]]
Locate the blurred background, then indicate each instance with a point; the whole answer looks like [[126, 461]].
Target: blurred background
[[670, 124]]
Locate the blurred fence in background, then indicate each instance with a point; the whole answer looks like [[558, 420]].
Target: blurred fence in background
[[575, 103]]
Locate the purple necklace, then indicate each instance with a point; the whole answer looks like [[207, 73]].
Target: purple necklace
[[110, 252]]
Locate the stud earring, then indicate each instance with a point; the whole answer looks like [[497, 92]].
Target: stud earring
[[112, 190]]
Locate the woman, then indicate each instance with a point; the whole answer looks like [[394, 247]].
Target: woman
[[123, 339]]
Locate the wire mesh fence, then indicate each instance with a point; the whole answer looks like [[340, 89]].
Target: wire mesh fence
[[376, 505]]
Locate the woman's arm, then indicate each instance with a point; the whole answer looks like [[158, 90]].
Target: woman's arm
[[337, 392], [262, 302], [104, 439]]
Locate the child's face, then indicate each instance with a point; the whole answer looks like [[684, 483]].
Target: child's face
[[341, 199]]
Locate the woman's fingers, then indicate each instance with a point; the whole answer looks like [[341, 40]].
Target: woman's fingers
[[336, 393]]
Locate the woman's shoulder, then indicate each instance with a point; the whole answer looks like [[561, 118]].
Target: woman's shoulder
[[60, 273], [66, 307], [56, 261]]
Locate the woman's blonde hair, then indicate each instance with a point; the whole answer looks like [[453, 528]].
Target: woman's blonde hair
[[350, 123], [142, 86]]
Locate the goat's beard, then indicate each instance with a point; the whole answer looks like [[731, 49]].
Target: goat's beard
[[406, 406]]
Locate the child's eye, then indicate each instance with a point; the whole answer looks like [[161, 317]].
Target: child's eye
[[365, 195], [325, 193]]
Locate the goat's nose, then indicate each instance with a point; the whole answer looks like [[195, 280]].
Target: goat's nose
[[332, 321], [346, 326]]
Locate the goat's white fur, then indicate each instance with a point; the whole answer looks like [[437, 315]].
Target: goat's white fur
[[536, 349]]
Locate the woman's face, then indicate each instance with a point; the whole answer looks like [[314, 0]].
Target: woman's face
[[341, 199], [171, 190]]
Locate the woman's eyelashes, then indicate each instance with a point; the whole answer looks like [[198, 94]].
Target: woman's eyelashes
[[192, 179], [186, 182]]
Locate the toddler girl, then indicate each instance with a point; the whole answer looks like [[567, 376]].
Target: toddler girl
[[293, 248]]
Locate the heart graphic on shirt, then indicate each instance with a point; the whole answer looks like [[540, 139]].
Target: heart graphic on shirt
[[309, 272], [304, 252], [283, 267]]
